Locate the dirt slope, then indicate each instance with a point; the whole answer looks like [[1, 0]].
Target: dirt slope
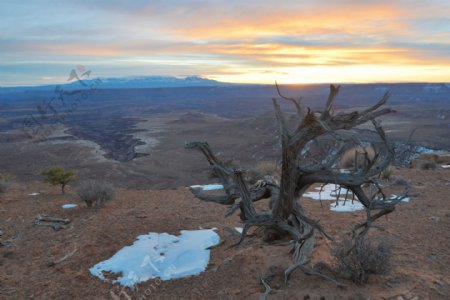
[[419, 231]]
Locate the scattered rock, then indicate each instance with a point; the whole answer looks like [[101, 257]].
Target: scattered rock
[[422, 164], [399, 180], [435, 219], [438, 283], [227, 261]]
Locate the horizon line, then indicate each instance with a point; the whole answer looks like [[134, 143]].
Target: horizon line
[[31, 85]]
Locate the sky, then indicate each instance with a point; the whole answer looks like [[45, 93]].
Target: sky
[[249, 41]]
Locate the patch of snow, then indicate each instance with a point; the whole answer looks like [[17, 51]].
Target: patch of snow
[[34, 194], [406, 199], [159, 255], [329, 192], [239, 229], [346, 206], [208, 187], [424, 150], [66, 206], [446, 166]]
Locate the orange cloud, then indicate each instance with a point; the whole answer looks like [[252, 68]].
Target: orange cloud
[[366, 19]]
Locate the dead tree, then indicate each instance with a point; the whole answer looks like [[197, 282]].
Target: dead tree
[[314, 132]]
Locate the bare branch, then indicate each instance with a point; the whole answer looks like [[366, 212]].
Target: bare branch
[[370, 219], [281, 120], [246, 201], [334, 90], [294, 101], [220, 199], [206, 150], [380, 103]]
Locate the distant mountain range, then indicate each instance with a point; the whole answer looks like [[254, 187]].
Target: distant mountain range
[[133, 82], [354, 94], [156, 82]]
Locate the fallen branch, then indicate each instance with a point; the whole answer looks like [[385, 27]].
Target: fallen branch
[[40, 218], [7, 243], [65, 257], [55, 223], [10, 242], [8, 291]]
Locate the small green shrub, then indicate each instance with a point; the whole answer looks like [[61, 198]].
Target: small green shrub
[[5, 177], [386, 174], [365, 258], [5, 183], [4, 186], [95, 193], [58, 176]]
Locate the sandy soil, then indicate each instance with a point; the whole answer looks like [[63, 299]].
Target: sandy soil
[[419, 231]]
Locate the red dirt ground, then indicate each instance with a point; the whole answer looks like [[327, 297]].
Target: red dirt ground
[[419, 231]]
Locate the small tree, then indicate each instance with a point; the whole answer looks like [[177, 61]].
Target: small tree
[[57, 175]]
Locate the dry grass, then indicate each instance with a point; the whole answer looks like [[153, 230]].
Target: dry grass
[[422, 164], [95, 193], [261, 169], [438, 159], [357, 157], [401, 181], [365, 258]]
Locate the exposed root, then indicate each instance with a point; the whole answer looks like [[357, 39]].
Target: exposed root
[[309, 271], [266, 292]]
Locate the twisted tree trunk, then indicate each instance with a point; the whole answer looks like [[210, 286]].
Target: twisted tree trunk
[[300, 169]]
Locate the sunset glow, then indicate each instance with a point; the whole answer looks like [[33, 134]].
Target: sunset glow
[[232, 41]]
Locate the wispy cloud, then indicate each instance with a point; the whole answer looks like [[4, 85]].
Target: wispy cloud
[[251, 41]]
